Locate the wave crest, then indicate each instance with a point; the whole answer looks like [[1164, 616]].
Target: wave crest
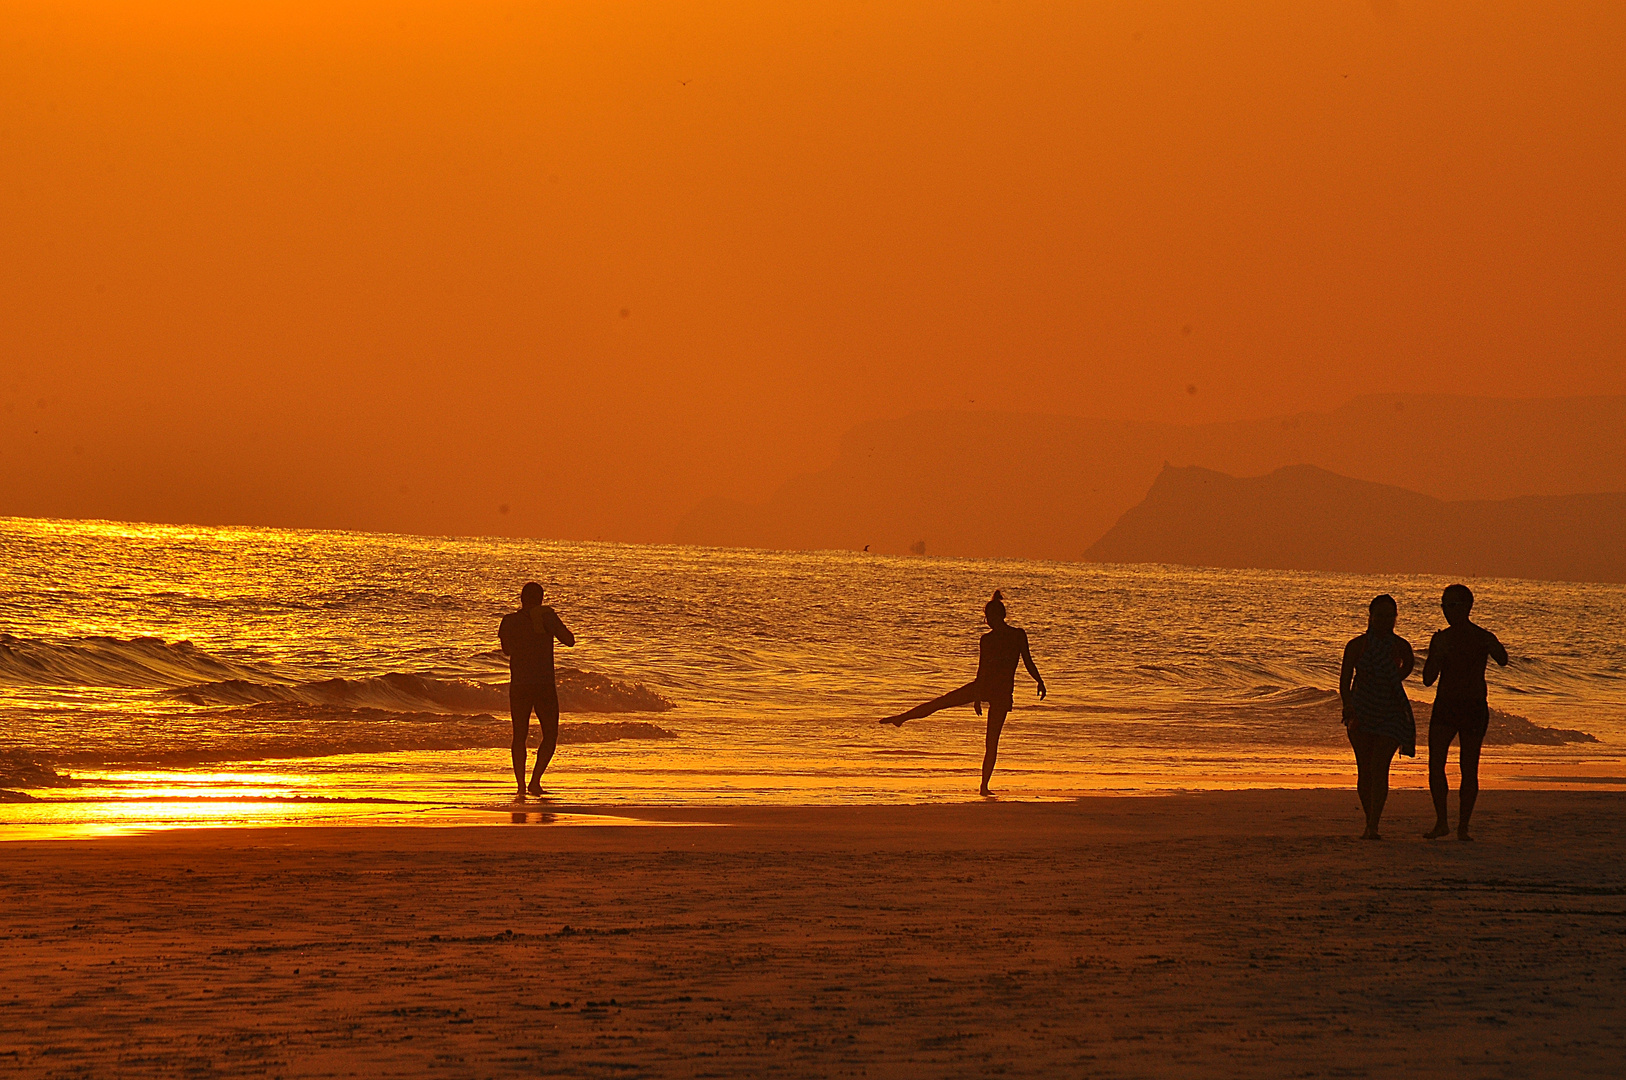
[[19, 770], [189, 674], [1506, 729], [279, 730], [142, 662], [579, 691]]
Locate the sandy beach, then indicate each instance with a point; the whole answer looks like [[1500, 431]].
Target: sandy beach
[[1229, 934]]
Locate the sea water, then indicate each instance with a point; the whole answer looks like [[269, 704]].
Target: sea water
[[155, 675]]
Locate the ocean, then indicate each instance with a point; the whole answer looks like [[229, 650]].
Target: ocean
[[156, 676]]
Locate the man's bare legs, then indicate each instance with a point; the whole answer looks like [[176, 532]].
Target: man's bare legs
[[997, 711], [548, 719], [965, 695], [522, 726], [1439, 749], [1469, 761]]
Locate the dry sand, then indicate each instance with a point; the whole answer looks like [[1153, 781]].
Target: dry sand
[[1237, 934]]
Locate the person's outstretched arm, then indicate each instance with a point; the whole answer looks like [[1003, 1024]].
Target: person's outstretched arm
[[1033, 669], [1498, 651], [560, 630], [1431, 666]]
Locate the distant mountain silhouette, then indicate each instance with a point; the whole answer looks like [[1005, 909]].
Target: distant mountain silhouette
[[1305, 518], [1045, 486]]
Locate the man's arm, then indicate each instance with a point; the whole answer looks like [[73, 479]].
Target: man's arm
[[1497, 650], [502, 634], [1431, 666], [1033, 669], [560, 630], [1408, 659]]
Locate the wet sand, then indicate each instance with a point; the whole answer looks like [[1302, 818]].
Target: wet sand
[[1226, 934]]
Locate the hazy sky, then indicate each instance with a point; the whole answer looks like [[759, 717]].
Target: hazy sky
[[396, 265]]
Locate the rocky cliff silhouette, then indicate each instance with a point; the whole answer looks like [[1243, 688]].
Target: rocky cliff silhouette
[[1306, 518], [1046, 486]]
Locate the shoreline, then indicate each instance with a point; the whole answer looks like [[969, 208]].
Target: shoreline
[[59, 814]]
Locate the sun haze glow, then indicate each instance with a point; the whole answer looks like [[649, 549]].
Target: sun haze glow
[[564, 269]]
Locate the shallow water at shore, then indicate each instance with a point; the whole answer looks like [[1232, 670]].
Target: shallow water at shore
[[200, 675]]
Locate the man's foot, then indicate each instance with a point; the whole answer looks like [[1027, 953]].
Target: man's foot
[[519, 796], [1462, 834], [987, 794], [1371, 834], [895, 721], [535, 788], [1440, 829]]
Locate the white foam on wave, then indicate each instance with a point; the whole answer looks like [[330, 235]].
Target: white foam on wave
[[191, 675], [579, 691], [141, 662]]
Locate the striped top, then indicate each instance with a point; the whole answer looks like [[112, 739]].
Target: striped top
[[1381, 705]]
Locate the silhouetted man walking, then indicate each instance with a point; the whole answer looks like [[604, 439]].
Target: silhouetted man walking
[[527, 637], [1457, 656]]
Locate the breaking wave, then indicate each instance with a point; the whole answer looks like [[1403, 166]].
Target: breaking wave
[[187, 673], [579, 691], [274, 730], [142, 662], [18, 770], [1324, 708]]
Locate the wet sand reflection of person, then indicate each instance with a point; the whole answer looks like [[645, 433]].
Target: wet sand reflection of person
[[1377, 713], [1457, 657], [998, 652]]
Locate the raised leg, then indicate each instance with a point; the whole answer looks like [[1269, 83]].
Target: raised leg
[[965, 695]]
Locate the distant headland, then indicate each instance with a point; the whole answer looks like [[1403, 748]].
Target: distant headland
[[1053, 487]]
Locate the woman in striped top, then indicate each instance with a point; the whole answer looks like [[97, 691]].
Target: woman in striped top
[[1377, 713]]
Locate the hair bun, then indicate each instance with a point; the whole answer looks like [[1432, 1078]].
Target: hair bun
[[998, 595]]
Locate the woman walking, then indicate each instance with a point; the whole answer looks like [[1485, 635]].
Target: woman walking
[[1377, 713], [995, 683]]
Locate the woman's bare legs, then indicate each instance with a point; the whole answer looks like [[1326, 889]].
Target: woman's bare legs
[[1373, 754], [965, 695], [997, 711]]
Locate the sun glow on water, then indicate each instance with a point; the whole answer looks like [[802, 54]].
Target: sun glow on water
[[195, 676]]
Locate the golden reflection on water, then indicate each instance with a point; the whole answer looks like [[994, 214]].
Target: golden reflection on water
[[1161, 679], [354, 792]]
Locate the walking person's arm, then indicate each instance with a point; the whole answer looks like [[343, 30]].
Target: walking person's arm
[[1033, 669], [1498, 651], [1436, 658], [1408, 659]]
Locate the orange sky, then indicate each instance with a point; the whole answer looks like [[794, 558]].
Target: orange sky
[[394, 265]]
